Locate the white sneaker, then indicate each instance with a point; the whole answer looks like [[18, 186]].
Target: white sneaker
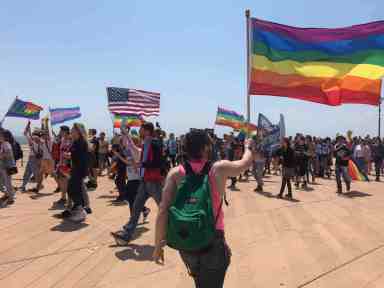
[[78, 215]]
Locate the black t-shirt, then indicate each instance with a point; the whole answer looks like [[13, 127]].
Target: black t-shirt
[[301, 151], [342, 154], [288, 157], [79, 159]]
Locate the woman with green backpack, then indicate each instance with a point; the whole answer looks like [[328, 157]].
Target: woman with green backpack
[[191, 218]]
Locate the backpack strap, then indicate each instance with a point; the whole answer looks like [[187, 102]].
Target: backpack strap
[[189, 171]]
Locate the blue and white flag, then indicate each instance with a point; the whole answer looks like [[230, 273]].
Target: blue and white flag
[[272, 134]]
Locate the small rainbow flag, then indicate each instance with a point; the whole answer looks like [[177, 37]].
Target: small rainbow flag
[[248, 128], [229, 118], [129, 120], [23, 109], [356, 173], [327, 66]]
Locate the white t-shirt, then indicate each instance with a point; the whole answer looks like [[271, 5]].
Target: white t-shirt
[[132, 170], [46, 148]]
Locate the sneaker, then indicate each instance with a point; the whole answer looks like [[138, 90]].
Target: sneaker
[[35, 190], [88, 210], [60, 204], [78, 215], [121, 238], [66, 214], [146, 214], [348, 186], [6, 201], [22, 190]]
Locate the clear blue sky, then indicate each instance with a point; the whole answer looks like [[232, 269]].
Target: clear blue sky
[[63, 53]]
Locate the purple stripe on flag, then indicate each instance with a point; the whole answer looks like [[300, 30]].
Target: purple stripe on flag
[[314, 35]]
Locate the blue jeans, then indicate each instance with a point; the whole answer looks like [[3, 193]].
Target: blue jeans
[[342, 171], [7, 182], [32, 168], [146, 190], [258, 170]]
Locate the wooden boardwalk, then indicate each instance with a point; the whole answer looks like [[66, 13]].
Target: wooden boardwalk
[[322, 240]]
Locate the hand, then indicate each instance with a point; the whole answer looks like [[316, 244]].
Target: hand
[[248, 143], [158, 255]]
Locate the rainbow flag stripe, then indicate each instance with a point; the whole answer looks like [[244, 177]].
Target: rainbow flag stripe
[[356, 173], [229, 118], [327, 66], [24, 109], [248, 128], [130, 120]]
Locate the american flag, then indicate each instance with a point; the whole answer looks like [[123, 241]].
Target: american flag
[[125, 101]]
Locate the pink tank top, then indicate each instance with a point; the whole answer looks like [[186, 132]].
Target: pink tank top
[[197, 166]]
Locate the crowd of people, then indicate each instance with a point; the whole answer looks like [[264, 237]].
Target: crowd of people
[[178, 173]]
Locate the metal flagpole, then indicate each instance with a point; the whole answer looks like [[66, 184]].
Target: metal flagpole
[[380, 101], [2, 120], [248, 18]]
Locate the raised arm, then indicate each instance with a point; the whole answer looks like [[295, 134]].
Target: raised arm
[[234, 168]]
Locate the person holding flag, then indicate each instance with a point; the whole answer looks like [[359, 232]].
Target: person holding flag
[[343, 155]]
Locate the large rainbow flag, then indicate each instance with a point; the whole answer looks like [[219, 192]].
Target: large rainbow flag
[[24, 109], [229, 118], [130, 120], [355, 172], [327, 66]]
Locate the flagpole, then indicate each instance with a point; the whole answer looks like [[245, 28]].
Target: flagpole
[[248, 18], [2, 120], [380, 101]]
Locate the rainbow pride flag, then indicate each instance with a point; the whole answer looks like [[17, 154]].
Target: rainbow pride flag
[[129, 120], [229, 118], [327, 66], [248, 128], [24, 109], [356, 173]]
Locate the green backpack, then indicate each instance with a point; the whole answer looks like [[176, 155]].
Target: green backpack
[[191, 223]]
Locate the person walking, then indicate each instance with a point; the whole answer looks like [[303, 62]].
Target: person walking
[[378, 156], [202, 248], [64, 166], [35, 154], [151, 183], [343, 155], [79, 154], [287, 155], [258, 163], [172, 149], [103, 153], [7, 169]]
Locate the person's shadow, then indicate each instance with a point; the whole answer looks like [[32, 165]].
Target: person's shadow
[[356, 194], [136, 252], [67, 226], [265, 194]]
